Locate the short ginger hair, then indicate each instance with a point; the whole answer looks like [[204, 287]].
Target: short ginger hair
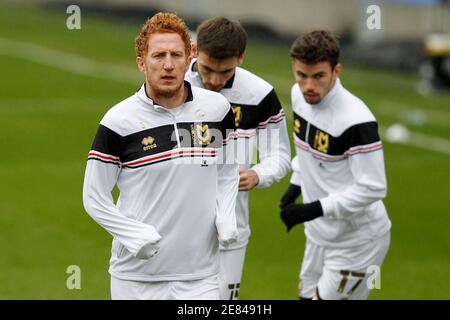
[[160, 23]]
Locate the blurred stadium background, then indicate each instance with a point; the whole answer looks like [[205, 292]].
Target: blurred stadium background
[[57, 83]]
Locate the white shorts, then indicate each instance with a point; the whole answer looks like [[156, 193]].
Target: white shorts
[[230, 274], [342, 273], [204, 289]]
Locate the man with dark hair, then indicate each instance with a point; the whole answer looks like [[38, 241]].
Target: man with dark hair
[[339, 171], [163, 148], [260, 122]]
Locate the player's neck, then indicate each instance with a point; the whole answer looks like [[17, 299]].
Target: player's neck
[[169, 100]]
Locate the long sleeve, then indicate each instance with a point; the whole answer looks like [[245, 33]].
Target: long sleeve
[[296, 175], [227, 185], [366, 162], [274, 153], [102, 171], [273, 142], [296, 172]]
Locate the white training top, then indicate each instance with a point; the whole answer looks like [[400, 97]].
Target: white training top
[[340, 162], [177, 194], [260, 122]]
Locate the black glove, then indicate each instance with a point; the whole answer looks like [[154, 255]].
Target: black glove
[[298, 213], [290, 195]]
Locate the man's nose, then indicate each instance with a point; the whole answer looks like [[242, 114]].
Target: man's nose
[[168, 63], [310, 84], [215, 80]]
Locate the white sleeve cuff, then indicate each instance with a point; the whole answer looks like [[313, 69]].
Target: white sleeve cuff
[[228, 234], [328, 207], [264, 182], [150, 246], [148, 250], [295, 179]]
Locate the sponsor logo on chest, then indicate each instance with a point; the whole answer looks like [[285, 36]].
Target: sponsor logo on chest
[[148, 143]]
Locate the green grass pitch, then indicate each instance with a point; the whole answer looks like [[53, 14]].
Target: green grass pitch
[[49, 117]]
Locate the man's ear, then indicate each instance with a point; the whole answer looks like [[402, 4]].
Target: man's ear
[[194, 49], [337, 70], [241, 58], [140, 63], [188, 63]]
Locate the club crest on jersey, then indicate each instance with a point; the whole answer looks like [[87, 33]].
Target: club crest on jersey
[[297, 126], [201, 134], [148, 143], [321, 141], [237, 115]]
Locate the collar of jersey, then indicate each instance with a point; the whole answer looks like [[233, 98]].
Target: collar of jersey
[[142, 94]]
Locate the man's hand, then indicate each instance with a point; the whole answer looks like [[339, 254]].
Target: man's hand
[[294, 214], [248, 179], [148, 250], [227, 242], [291, 194]]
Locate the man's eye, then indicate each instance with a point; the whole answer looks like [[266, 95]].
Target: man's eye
[[318, 76], [205, 70]]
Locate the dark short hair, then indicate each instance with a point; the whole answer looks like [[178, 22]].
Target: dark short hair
[[316, 46], [221, 38]]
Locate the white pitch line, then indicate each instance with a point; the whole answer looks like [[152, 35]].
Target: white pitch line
[[431, 143], [80, 65], [69, 62], [401, 111], [422, 141]]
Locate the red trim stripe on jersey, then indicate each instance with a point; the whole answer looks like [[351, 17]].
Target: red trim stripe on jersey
[[350, 152], [103, 156], [172, 154], [240, 134], [106, 158], [367, 148], [230, 136], [273, 119]]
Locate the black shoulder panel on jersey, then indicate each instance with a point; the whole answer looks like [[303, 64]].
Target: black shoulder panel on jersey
[[108, 142], [324, 142], [228, 124], [300, 127], [245, 116], [358, 135], [161, 139], [270, 106], [148, 142], [200, 134], [361, 134], [251, 116]]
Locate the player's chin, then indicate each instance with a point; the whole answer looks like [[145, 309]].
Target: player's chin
[[212, 88], [312, 99], [169, 89]]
